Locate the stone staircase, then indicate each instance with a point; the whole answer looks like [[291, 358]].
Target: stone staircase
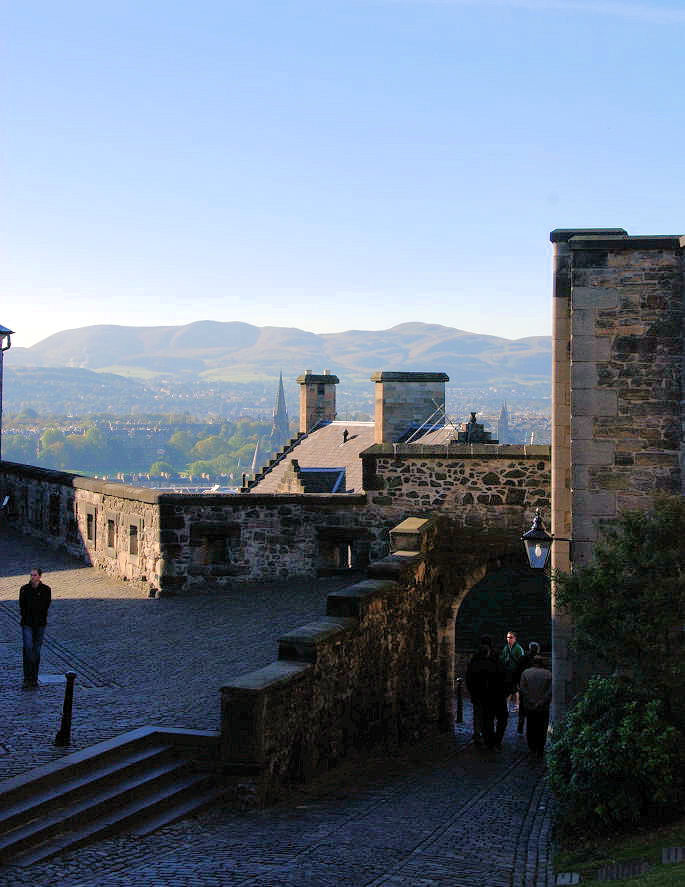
[[136, 783]]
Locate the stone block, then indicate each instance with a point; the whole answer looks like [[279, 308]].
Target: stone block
[[580, 477], [594, 402], [582, 428], [590, 347], [583, 322], [594, 297], [303, 644], [585, 528], [594, 504], [354, 600], [592, 452], [584, 375]]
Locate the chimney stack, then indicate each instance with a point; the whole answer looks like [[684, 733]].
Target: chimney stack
[[404, 401], [317, 399]]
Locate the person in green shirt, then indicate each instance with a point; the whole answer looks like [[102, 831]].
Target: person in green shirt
[[510, 657]]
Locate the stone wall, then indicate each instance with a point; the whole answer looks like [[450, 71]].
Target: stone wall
[[368, 673], [111, 526], [496, 486], [376, 670], [179, 542], [618, 401], [214, 540]]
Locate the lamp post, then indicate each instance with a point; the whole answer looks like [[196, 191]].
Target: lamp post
[[5, 344], [538, 543]]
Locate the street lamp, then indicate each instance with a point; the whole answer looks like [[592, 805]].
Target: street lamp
[[5, 344], [538, 543]]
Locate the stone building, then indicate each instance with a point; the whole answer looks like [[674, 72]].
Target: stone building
[[618, 421]]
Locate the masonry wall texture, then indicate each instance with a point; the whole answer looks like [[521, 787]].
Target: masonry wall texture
[[479, 485], [177, 542], [111, 526], [377, 670], [618, 400]]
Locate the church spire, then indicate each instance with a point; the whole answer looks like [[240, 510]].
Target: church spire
[[280, 429], [256, 459]]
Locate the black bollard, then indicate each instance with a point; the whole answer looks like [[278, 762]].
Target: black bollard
[[460, 703], [64, 735]]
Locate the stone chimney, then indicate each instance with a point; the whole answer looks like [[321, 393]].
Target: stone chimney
[[317, 399], [404, 401]]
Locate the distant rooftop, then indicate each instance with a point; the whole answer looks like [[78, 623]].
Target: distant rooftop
[[325, 448]]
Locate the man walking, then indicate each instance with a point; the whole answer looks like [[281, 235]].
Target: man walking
[[536, 696], [34, 600], [510, 657]]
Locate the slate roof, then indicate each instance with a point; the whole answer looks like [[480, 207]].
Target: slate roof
[[438, 436], [324, 448]]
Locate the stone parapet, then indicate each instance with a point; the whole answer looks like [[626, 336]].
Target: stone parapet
[[366, 675]]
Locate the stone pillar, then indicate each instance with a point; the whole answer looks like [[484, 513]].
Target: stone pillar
[[317, 399], [562, 481], [404, 401]]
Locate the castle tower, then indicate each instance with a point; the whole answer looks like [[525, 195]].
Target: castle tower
[[317, 399], [280, 429]]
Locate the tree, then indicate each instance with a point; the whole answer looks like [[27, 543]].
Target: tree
[[160, 467], [618, 754], [628, 604]]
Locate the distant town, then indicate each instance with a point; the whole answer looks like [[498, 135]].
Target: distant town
[[197, 449]]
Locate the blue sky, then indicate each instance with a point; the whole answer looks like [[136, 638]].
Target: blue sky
[[326, 164]]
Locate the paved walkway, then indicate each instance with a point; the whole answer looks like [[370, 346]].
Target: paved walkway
[[442, 813]]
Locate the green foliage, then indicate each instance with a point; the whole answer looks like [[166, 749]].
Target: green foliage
[[614, 759], [628, 605], [160, 467]]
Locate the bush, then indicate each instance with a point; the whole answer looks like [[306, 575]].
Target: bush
[[615, 759]]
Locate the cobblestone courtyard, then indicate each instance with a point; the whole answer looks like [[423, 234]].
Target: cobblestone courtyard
[[443, 813]]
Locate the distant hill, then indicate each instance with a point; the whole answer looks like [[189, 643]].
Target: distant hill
[[213, 351]]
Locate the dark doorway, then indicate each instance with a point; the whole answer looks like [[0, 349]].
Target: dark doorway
[[508, 598]]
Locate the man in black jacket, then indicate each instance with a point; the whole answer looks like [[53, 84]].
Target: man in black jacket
[[34, 600]]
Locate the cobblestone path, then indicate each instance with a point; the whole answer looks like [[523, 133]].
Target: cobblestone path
[[442, 813]]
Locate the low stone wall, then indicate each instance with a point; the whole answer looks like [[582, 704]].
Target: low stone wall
[[209, 540], [476, 485], [111, 526], [368, 673], [174, 542]]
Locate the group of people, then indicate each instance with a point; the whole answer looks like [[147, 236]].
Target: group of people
[[497, 678]]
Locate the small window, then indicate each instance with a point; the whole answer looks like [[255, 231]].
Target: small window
[[321, 390], [133, 539], [90, 527], [111, 533]]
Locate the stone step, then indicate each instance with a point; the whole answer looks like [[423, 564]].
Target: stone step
[[144, 778], [42, 795], [176, 799], [67, 813]]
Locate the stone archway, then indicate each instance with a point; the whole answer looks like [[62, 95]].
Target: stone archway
[[507, 597], [461, 558]]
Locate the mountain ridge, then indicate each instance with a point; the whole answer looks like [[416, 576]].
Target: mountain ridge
[[227, 350]]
